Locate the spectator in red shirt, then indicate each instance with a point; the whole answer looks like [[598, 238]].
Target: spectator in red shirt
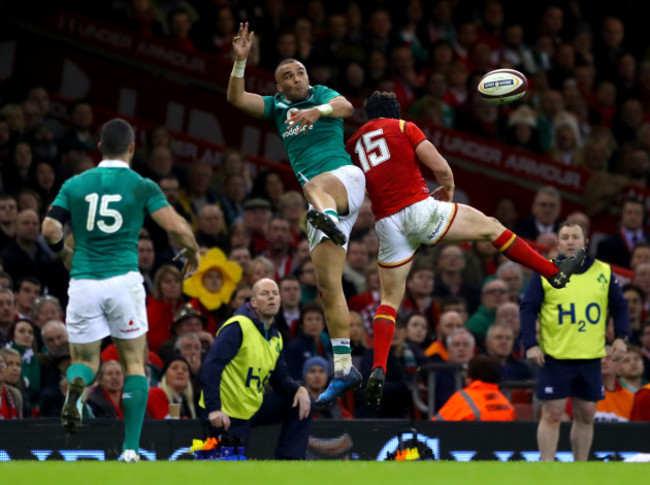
[[161, 307], [641, 406]]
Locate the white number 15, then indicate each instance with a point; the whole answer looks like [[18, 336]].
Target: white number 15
[[372, 141], [104, 211]]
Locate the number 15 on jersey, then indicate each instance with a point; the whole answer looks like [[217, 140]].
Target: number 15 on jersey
[[372, 149]]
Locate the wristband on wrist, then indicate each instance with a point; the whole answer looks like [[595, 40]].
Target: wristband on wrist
[[449, 187], [238, 68], [325, 109], [56, 247]]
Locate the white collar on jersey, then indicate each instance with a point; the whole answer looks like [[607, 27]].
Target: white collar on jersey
[[286, 102], [113, 164]]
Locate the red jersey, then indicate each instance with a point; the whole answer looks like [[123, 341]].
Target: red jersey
[[384, 148]]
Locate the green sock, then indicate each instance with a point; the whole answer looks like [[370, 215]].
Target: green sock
[[332, 214], [80, 370], [134, 403]]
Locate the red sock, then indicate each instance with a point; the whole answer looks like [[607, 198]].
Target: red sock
[[516, 249], [383, 327]]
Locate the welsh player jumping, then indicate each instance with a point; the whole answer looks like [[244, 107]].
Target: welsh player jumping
[[388, 148], [309, 121], [106, 206]]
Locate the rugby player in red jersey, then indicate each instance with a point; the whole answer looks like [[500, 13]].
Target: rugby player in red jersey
[[388, 150]]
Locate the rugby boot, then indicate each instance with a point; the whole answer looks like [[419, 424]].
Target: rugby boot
[[375, 386], [73, 406], [323, 222], [130, 456], [339, 386], [567, 267]]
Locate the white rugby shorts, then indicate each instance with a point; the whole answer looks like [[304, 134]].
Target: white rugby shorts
[[112, 306], [355, 184], [401, 234]]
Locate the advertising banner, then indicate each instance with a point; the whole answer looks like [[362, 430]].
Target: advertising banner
[[169, 440]]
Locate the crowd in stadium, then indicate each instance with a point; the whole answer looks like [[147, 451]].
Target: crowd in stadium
[[588, 106]]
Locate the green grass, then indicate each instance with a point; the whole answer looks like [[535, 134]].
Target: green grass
[[330, 473]]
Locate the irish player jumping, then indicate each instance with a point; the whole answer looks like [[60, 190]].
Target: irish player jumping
[[309, 121], [388, 148], [106, 206]]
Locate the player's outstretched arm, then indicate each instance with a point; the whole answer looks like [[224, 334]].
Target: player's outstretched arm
[[179, 230], [429, 156], [338, 107], [341, 108], [52, 231], [251, 103]]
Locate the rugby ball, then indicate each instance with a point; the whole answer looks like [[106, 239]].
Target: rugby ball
[[502, 86]]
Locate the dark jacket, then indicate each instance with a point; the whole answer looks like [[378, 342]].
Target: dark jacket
[[301, 348], [527, 228], [614, 250]]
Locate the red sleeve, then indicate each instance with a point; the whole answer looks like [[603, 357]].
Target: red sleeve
[[155, 360], [641, 406], [414, 134], [157, 404]]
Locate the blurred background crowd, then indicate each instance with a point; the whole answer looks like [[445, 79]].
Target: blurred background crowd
[[588, 105]]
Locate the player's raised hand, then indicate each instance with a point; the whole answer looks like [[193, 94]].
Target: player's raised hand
[[243, 42]]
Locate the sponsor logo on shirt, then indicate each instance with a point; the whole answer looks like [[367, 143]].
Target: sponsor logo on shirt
[[294, 131], [548, 390]]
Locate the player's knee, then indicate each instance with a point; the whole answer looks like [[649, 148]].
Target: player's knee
[[586, 419], [311, 188], [492, 229], [552, 416]]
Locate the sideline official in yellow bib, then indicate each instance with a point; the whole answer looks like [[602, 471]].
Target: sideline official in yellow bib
[[571, 343]]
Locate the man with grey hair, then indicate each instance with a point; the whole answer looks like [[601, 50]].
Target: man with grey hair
[[498, 344], [508, 313], [460, 345], [188, 345], [55, 338], [544, 216], [13, 409], [512, 275]]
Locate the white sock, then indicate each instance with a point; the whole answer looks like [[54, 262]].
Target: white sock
[[342, 360]]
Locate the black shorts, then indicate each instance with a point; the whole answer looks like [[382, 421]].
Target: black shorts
[[559, 379]]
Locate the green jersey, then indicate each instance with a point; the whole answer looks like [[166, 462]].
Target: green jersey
[[317, 149], [107, 206]]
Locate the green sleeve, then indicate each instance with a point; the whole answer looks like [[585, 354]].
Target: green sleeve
[[62, 199], [154, 196], [269, 103], [325, 94]]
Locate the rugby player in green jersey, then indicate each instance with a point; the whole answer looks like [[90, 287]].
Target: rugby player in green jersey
[[106, 206], [309, 121]]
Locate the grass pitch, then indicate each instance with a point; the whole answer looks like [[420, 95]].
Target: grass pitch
[[329, 473]]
